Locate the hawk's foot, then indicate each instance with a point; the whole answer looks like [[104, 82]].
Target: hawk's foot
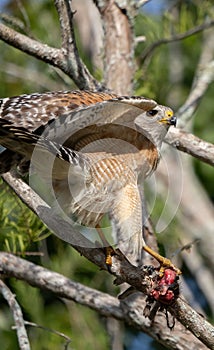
[[164, 262], [109, 251]]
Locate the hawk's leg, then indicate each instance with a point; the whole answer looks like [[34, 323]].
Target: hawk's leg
[[164, 262], [109, 251]]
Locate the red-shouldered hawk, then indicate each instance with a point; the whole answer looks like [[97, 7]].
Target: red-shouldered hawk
[[95, 149]]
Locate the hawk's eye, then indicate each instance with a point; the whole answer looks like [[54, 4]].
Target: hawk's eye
[[152, 112]]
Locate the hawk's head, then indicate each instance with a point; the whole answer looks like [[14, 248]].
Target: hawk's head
[[155, 123]]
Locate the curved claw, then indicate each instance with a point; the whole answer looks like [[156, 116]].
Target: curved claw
[[164, 262]]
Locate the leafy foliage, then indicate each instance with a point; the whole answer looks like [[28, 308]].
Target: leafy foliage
[[20, 226]]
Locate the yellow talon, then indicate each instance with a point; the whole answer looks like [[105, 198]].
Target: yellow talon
[[164, 262], [109, 252]]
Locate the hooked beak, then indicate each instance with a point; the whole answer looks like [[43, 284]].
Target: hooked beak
[[173, 120], [170, 120]]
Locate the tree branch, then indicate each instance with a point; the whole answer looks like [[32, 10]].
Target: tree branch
[[149, 50], [66, 14], [141, 3], [80, 74], [17, 315], [31, 47], [191, 144], [130, 310], [121, 268], [53, 331], [53, 56], [203, 78]]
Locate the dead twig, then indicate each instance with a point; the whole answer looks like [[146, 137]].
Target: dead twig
[[17, 316]]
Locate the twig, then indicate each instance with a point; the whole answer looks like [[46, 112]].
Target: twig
[[14, 22], [202, 80], [68, 339], [17, 316], [142, 3], [24, 15], [129, 310], [149, 50]]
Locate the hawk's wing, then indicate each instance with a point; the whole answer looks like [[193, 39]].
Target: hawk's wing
[[120, 111], [64, 114], [18, 139], [35, 110], [122, 203]]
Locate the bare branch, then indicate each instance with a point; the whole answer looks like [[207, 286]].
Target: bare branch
[[130, 310], [191, 144], [142, 3], [31, 47], [149, 50], [24, 15], [201, 83], [81, 76], [56, 57], [202, 329], [90, 32], [17, 315], [67, 339], [14, 22], [60, 227], [66, 14]]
